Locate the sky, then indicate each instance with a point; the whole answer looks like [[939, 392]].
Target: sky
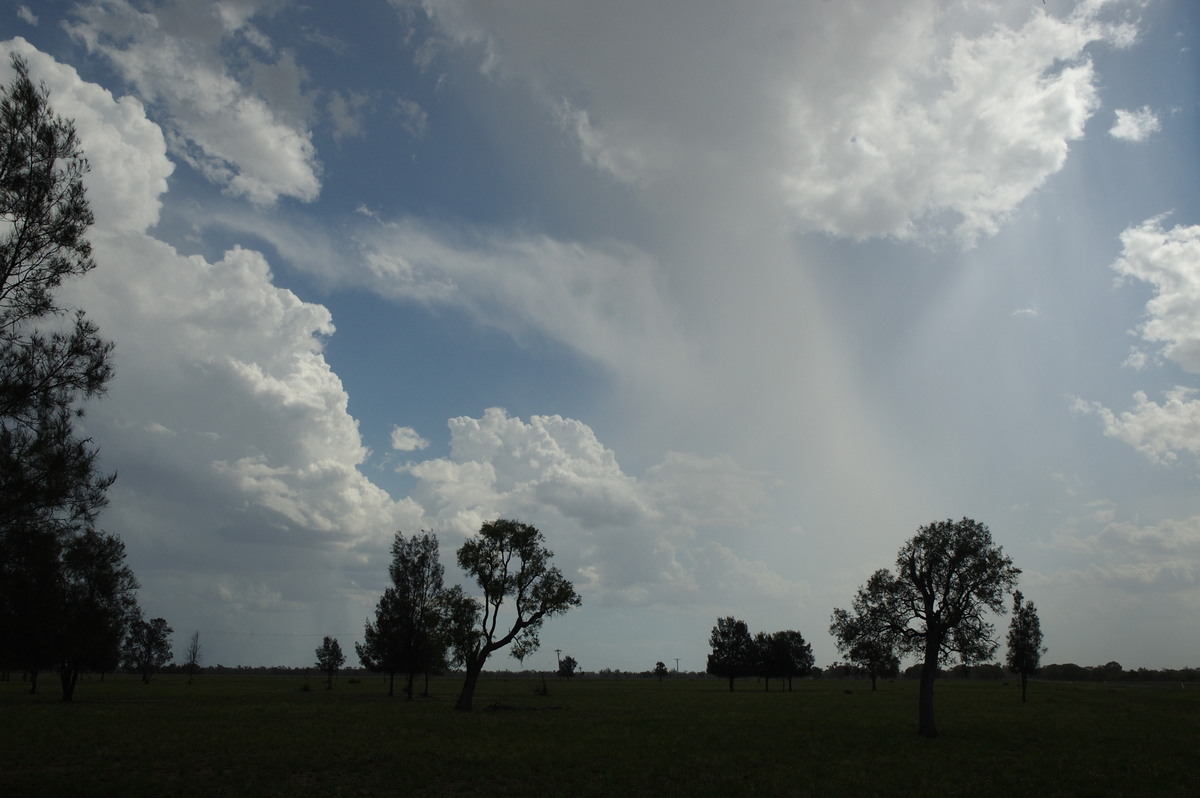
[[726, 299]]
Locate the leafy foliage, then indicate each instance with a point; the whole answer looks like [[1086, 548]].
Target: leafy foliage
[[147, 647], [864, 634], [947, 577], [733, 653], [65, 591], [782, 655], [1025, 647], [567, 667], [330, 659], [510, 563], [409, 632]]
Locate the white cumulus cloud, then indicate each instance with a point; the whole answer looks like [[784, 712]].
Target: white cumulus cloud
[[1168, 260], [1135, 125], [926, 120], [406, 439], [238, 135], [667, 538]]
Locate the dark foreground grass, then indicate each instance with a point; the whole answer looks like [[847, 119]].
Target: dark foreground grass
[[230, 735]]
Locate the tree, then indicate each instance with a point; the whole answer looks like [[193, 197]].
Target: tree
[[1025, 647], [946, 577], [507, 560], [733, 651], [192, 656], [330, 659], [147, 647], [782, 655], [408, 635], [865, 635], [660, 670], [51, 361], [567, 667], [98, 605]]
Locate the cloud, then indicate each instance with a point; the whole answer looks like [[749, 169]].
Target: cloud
[[668, 538], [406, 439], [250, 139], [125, 150], [926, 121], [1135, 125], [1169, 260], [26, 15], [237, 457]]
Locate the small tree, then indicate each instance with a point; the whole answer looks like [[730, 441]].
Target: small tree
[[148, 647], [1025, 647], [192, 655], [660, 670], [733, 651], [408, 635], [947, 576], [330, 659], [567, 667], [865, 635], [508, 561]]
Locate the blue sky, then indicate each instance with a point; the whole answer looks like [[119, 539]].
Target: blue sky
[[726, 299]]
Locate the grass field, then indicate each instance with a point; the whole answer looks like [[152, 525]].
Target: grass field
[[263, 735]]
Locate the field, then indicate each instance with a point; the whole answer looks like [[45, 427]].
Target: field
[[263, 735]]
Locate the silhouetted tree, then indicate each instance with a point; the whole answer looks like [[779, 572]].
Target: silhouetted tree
[[1025, 647], [865, 635], [50, 486], [192, 655], [733, 653], [567, 667], [330, 659], [782, 655], [409, 633], [660, 670], [508, 561], [98, 605], [147, 647], [946, 577]]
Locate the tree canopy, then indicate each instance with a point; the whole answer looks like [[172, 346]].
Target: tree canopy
[[1025, 647], [65, 590], [864, 634], [511, 565], [409, 632], [948, 576]]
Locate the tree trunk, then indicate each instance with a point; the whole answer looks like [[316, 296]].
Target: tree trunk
[[731, 684], [69, 676], [467, 697], [925, 727], [1024, 682], [873, 678], [391, 684], [408, 686]]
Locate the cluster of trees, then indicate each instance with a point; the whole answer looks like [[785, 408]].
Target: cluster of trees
[[67, 596], [776, 655], [421, 626]]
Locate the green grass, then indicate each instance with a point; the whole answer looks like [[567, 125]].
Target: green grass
[[232, 735]]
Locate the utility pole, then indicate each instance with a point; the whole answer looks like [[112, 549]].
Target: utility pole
[[558, 654], [677, 664]]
